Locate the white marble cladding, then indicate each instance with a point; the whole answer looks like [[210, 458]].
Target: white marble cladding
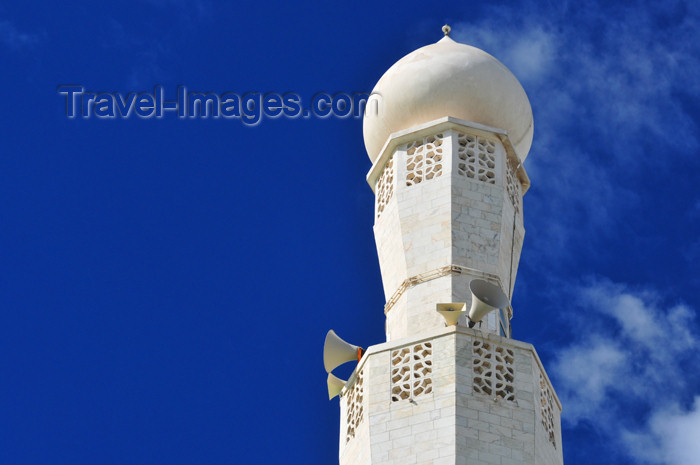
[[453, 199], [456, 421]]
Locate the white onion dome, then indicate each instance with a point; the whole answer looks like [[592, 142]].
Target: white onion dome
[[448, 79]]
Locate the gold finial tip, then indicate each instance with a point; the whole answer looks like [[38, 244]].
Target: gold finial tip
[[446, 29]]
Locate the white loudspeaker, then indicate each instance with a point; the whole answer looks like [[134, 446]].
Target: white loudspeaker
[[335, 385], [451, 312], [336, 352], [485, 297]]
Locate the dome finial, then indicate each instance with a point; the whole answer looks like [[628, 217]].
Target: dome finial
[[446, 29]]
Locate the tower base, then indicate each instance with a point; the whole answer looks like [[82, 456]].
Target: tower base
[[452, 396]]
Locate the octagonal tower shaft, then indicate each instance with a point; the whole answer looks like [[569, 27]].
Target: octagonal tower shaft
[[448, 209]]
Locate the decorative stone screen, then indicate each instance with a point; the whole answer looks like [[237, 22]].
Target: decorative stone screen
[[355, 397], [385, 186], [493, 370], [477, 158], [513, 186], [424, 159], [547, 409], [411, 371]]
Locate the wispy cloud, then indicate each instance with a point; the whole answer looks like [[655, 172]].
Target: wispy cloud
[[619, 75], [147, 54], [630, 369], [607, 85], [671, 437], [14, 39], [189, 10], [151, 52]]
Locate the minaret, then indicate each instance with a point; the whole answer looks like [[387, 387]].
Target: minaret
[[447, 130]]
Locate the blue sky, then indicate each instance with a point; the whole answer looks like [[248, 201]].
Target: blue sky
[[166, 285]]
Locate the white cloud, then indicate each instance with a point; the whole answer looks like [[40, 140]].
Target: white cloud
[[640, 320], [593, 368], [532, 55], [632, 362], [671, 438], [529, 53], [607, 87]]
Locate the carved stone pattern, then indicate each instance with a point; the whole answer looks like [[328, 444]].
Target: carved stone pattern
[[493, 369], [355, 410], [547, 409], [513, 186], [411, 371], [385, 186], [424, 159], [477, 158]]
